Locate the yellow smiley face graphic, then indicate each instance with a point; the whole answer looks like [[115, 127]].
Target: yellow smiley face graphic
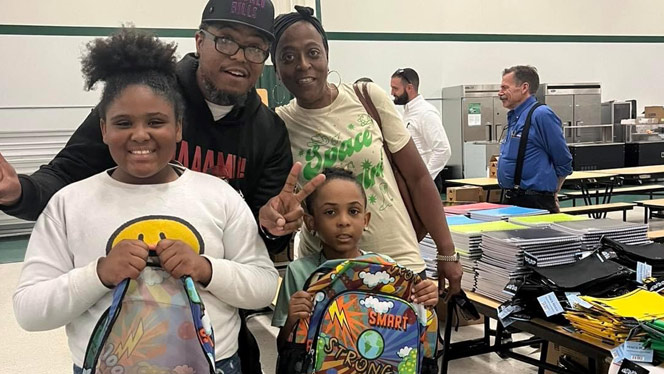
[[152, 229]]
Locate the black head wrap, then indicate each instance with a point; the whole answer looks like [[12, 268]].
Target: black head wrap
[[284, 21]]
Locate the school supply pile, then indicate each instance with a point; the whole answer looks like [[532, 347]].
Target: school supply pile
[[505, 213], [545, 220], [648, 258], [465, 209], [654, 331], [593, 230], [506, 253], [611, 320], [467, 239], [428, 247], [362, 320]]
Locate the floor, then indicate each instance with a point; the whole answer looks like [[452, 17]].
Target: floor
[[47, 352]]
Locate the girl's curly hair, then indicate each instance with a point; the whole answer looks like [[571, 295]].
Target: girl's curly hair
[[132, 56]]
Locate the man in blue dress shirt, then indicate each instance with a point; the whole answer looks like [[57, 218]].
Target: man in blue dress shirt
[[547, 160]]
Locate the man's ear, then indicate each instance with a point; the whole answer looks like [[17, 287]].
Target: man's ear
[[309, 222], [199, 38], [527, 87], [102, 125]]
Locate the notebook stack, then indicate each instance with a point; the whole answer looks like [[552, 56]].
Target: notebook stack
[[505, 213], [593, 230], [505, 255], [467, 239], [428, 247], [546, 220], [609, 320], [467, 208]]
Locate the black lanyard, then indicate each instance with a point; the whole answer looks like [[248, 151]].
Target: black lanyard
[[522, 146]]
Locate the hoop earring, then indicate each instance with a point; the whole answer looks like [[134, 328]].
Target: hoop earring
[[338, 74], [282, 99]]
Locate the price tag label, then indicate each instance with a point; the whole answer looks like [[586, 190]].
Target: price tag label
[[643, 271], [634, 351], [574, 299], [550, 304]]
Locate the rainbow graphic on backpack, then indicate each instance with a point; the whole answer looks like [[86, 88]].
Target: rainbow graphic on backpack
[[362, 322], [156, 323]]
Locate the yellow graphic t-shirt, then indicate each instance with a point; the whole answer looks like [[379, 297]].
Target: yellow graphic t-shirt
[[344, 135]]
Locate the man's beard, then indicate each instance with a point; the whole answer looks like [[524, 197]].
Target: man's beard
[[401, 99], [220, 97]]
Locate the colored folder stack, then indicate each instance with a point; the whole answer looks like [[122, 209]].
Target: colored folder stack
[[505, 213], [467, 208], [610, 320], [428, 247], [545, 220]]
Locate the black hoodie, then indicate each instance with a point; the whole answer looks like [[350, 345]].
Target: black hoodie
[[249, 147]]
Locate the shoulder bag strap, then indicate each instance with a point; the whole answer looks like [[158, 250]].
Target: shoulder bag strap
[[522, 146], [367, 103]]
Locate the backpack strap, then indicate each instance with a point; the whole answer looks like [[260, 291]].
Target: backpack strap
[[522, 146]]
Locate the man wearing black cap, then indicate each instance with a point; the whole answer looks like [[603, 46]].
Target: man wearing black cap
[[227, 131]]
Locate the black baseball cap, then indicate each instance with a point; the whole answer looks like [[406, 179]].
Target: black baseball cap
[[257, 14]]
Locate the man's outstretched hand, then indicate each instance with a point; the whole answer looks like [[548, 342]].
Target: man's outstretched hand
[[10, 188]]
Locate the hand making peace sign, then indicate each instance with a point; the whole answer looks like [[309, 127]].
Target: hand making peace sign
[[283, 213]]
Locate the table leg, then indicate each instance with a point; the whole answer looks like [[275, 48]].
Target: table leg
[[447, 334], [543, 352], [645, 214]]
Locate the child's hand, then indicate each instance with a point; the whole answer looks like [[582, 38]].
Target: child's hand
[[300, 306], [179, 259], [425, 293], [126, 260]]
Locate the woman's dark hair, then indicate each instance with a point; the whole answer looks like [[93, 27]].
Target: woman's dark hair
[[330, 175], [131, 56], [286, 20]]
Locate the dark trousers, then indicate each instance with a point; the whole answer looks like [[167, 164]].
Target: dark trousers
[[532, 199], [438, 181], [250, 355]]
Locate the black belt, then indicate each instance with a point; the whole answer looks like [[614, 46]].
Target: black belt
[[521, 192]]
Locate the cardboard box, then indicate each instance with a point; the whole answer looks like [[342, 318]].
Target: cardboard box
[[494, 196], [654, 112], [493, 166], [464, 193], [555, 352]]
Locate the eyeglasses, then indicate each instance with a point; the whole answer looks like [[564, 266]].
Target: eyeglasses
[[229, 47], [402, 74]]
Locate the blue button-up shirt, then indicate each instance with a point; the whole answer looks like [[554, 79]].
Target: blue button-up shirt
[[547, 157]]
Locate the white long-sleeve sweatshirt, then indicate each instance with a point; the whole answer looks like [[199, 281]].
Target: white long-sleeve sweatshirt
[[59, 284]]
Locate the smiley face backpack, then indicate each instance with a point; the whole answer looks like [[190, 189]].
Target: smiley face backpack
[[362, 322], [155, 324]]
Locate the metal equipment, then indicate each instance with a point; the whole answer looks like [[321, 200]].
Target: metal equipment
[[474, 119]]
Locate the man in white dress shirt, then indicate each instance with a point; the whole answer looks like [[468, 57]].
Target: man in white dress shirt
[[423, 121]]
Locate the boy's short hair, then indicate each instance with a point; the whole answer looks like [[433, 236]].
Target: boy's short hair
[[330, 175]]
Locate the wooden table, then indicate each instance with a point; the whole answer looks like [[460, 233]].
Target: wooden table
[[649, 206], [543, 332], [584, 180], [636, 172]]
